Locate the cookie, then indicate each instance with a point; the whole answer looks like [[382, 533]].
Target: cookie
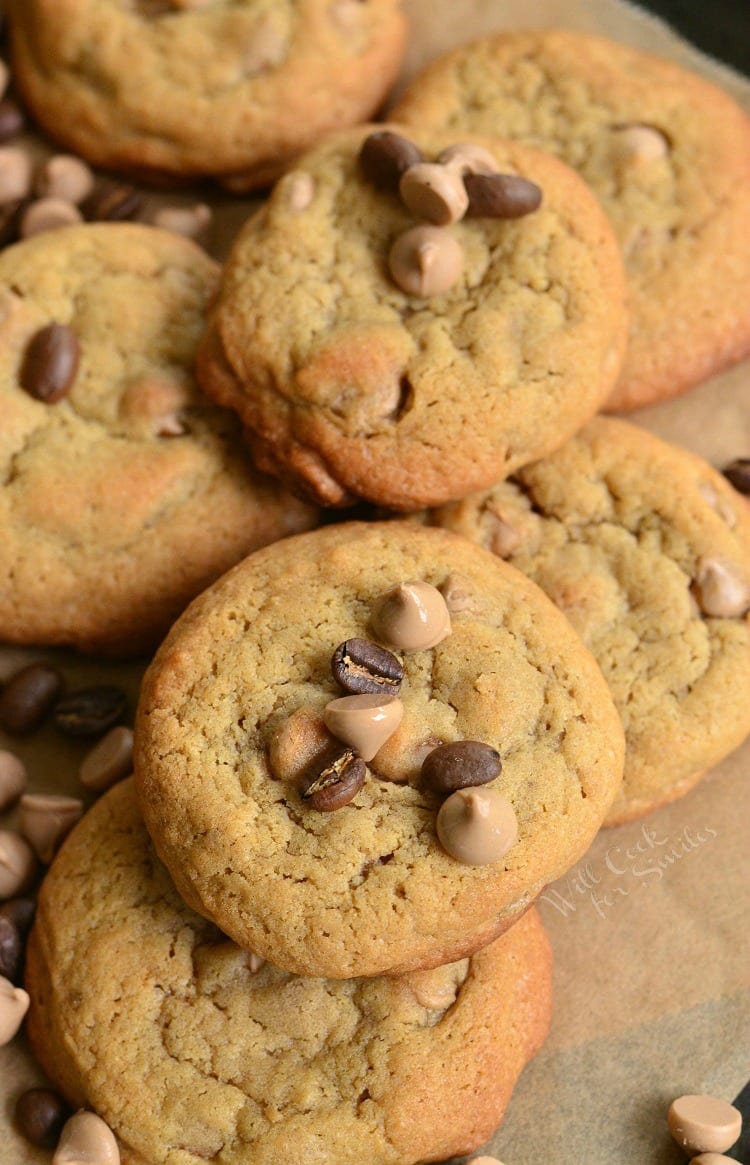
[[193, 1050], [668, 156], [235, 724], [124, 491], [646, 549], [354, 388], [229, 88]]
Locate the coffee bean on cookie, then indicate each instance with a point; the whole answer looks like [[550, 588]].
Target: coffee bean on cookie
[[501, 195], [361, 666], [27, 698], [385, 156], [336, 783], [738, 474], [50, 363], [40, 1115], [460, 765], [90, 711]]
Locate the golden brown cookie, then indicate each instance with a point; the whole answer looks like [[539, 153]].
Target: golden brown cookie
[[230, 732], [191, 1050], [124, 491], [646, 549], [353, 387], [230, 88], [668, 156]]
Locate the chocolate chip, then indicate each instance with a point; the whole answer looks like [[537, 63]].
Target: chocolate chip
[[460, 765], [501, 195], [19, 911], [40, 1115], [90, 711], [51, 362], [27, 698], [12, 120], [361, 666], [737, 474], [335, 783], [11, 951], [385, 156], [113, 202]]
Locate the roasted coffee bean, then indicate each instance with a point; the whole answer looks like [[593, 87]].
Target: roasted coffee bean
[[27, 698], [361, 666], [501, 195], [19, 911], [113, 202], [40, 1115], [50, 364], [90, 711], [11, 951], [335, 783], [460, 765], [737, 474], [385, 156], [12, 120]]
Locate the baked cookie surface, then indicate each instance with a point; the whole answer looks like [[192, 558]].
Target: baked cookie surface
[[192, 1052], [354, 388], [646, 549], [668, 156], [231, 88], [232, 708], [126, 496]]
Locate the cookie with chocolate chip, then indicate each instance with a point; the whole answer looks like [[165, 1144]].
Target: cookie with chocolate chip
[[228, 88], [646, 549], [124, 491], [668, 156], [406, 353], [241, 714], [185, 1043]]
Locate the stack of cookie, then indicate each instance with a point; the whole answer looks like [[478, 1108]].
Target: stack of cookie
[[362, 753]]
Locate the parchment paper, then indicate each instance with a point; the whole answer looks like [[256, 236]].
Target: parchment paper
[[650, 930]]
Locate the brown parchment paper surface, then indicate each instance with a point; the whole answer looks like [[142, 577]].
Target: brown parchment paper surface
[[651, 929]]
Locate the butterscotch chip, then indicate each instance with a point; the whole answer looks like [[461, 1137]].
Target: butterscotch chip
[[668, 156], [704, 1124], [646, 549], [314, 892], [187, 87], [433, 359], [131, 455], [254, 1065]]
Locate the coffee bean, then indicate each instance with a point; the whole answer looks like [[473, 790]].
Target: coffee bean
[[50, 364], [12, 120], [19, 911], [113, 202], [385, 156], [361, 666], [737, 474], [460, 765], [335, 783], [40, 1115], [90, 711], [501, 195], [27, 698], [11, 951]]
